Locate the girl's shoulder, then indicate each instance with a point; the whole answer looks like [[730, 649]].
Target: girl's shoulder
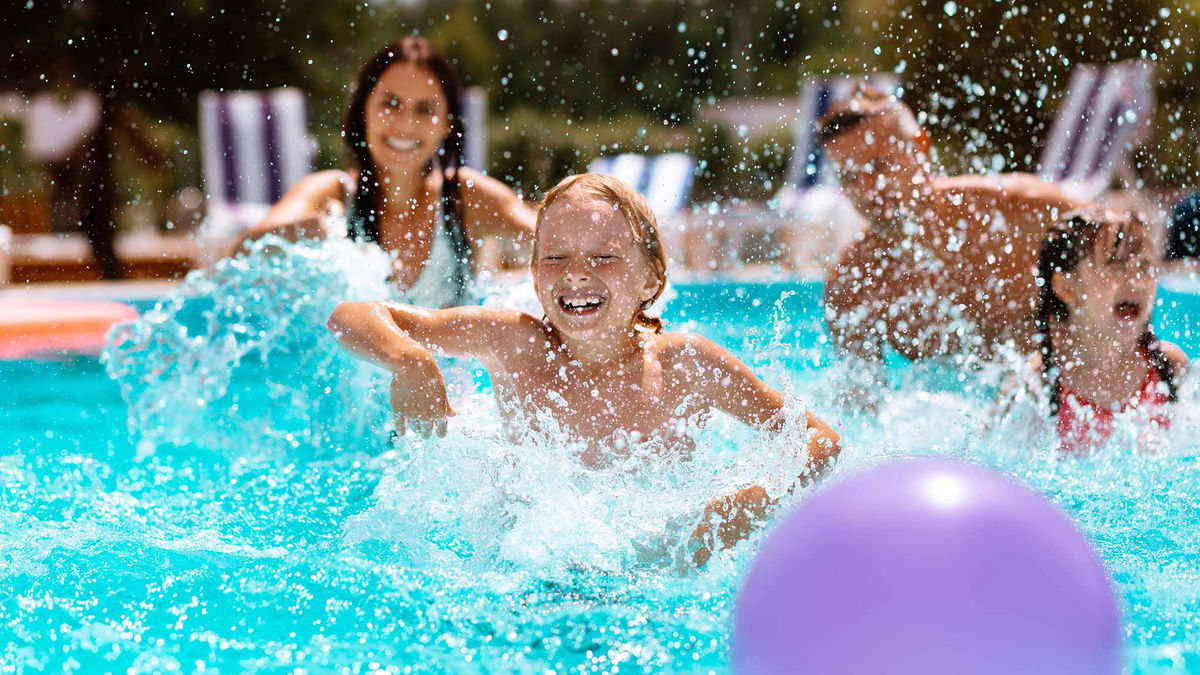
[[527, 335], [1175, 356], [516, 323]]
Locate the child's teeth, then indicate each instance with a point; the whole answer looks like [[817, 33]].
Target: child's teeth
[[582, 302]]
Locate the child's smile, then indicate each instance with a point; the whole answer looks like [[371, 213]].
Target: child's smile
[[590, 275], [1128, 310], [582, 302]]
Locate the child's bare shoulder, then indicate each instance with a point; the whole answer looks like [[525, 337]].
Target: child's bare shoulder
[[506, 338], [510, 323], [684, 349]]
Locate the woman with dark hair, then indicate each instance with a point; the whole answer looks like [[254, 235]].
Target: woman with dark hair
[[408, 191]]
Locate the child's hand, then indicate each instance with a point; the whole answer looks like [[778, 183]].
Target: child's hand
[[423, 405], [734, 519]]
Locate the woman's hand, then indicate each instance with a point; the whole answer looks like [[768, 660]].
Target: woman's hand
[[420, 402], [308, 227]]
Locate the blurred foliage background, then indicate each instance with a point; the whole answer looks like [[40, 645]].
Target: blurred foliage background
[[571, 79]]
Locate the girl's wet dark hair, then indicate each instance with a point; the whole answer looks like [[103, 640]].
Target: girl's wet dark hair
[[366, 206], [1067, 244]]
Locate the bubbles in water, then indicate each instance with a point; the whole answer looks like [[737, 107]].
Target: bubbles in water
[[239, 356]]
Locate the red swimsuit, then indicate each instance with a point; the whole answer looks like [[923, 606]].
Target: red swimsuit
[[1084, 425]]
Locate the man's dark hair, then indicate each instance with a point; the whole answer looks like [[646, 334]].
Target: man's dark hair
[[839, 123]]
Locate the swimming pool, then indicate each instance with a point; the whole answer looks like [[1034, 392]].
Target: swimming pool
[[293, 542]]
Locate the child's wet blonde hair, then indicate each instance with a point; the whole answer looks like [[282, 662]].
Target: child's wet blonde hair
[[642, 225]]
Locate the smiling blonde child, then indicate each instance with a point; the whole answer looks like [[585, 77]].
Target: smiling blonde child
[[595, 361]]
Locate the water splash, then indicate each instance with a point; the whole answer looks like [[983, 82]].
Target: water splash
[[481, 500], [195, 368], [248, 549]]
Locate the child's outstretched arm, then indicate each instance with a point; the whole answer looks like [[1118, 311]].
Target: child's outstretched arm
[[400, 339], [725, 383], [1178, 360]]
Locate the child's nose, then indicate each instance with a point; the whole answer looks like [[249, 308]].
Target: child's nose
[[578, 270]]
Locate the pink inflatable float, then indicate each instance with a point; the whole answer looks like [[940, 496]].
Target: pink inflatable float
[[36, 327]]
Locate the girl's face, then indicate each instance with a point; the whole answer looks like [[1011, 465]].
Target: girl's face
[[1112, 290], [406, 118], [591, 276]]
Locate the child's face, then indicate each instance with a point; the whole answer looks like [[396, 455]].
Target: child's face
[[591, 276], [1112, 296]]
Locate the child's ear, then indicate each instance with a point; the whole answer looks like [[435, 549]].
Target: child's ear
[[1063, 287], [652, 286]]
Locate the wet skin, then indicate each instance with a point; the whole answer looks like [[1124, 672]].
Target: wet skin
[[1109, 303], [406, 122], [584, 363], [965, 244]]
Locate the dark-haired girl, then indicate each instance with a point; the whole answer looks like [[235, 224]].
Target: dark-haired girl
[[408, 190], [1099, 358]]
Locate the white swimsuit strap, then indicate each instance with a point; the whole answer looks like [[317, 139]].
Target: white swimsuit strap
[[435, 286]]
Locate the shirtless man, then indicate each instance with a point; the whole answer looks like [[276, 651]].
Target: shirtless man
[[948, 264]]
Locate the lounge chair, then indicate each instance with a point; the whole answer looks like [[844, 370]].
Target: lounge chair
[[666, 181], [255, 145], [474, 104], [1104, 115]]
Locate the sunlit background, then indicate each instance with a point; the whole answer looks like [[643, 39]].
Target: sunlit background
[[568, 80]]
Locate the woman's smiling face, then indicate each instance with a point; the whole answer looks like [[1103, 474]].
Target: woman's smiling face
[[591, 276], [407, 118]]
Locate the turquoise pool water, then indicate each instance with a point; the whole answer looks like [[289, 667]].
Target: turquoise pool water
[[251, 523]]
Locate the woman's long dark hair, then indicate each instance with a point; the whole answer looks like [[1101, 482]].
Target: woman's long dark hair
[[1067, 244], [366, 206]]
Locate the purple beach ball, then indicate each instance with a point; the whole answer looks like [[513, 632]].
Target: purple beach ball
[[926, 566]]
